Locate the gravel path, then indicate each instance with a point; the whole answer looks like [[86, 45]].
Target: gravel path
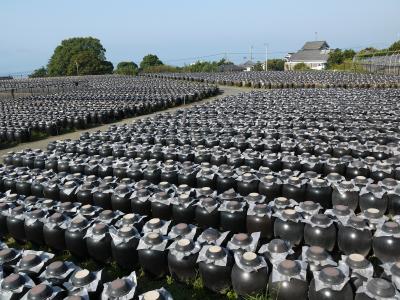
[[42, 144]]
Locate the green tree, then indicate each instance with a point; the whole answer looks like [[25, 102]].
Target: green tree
[[127, 68], [301, 67], [150, 60], [258, 66], [41, 72], [276, 65], [335, 57], [86, 63], [395, 46], [348, 54], [75, 51]]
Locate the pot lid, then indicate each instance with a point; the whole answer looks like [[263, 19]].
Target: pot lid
[[278, 246], [320, 219], [330, 275], [12, 282], [208, 202], [154, 223], [357, 261], [210, 234], [152, 295], [82, 278], [241, 239], [119, 287], [7, 254], [215, 252], [250, 259], [316, 253], [40, 292], [181, 229], [184, 245], [381, 288], [153, 238], [79, 222], [56, 268], [289, 267], [28, 261], [100, 228]]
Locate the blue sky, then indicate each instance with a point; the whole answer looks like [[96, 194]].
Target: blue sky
[[180, 30]]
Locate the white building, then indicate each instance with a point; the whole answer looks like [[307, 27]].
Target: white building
[[313, 54]]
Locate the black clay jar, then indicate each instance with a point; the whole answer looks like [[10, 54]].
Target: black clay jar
[[34, 226], [183, 209], [247, 183], [23, 185], [292, 288], [233, 217], [207, 214], [182, 260], [8, 259], [81, 279], [42, 292], [320, 231], [37, 186], [153, 261], [123, 247], [357, 262], [58, 272], [346, 193], [294, 188], [270, 187], [74, 237], [102, 196], [216, 276], [357, 168], [54, 231], [377, 288], [331, 276], [99, 243], [84, 194], [386, 246], [160, 206], [249, 277], [289, 227], [14, 286], [373, 196], [67, 192], [354, 237], [319, 191], [259, 219], [140, 203], [120, 199], [225, 181], [16, 224]]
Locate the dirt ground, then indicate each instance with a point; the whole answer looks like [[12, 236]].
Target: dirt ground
[[42, 144]]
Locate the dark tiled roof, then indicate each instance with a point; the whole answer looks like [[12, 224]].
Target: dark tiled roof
[[309, 55], [315, 45]]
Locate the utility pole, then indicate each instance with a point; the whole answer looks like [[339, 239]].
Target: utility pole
[[77, 68], [251, 53], [316, 35], [266, 56]]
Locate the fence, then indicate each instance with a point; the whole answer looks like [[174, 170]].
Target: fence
[[378, 62]]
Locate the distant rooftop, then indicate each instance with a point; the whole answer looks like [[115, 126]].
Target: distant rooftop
[[311, 51]]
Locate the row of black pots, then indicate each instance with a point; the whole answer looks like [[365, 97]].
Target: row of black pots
[[109, 161], [289, 79], [36, 275], [120, 183], [101, 102], [248, 276]]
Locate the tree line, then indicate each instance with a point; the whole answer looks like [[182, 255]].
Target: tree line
[[86, 56]]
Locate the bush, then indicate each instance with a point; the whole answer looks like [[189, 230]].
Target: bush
[[301, 67]]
